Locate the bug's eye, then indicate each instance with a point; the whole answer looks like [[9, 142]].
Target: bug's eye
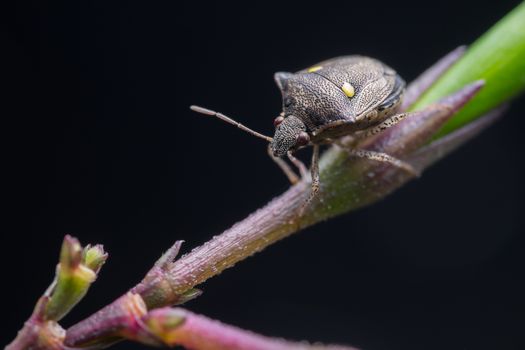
[[278, 121], [302, 139]]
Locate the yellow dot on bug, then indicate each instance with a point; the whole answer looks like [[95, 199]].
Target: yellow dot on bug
[[314, 69], [348, 89]]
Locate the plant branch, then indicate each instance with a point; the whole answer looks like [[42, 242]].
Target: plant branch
[[361, 181], [200, 332], [348, 184], [497, 60], [77, 269], [170, 280], [128, 318]]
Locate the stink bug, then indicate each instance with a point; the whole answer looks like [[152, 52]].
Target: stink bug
[[347, 96]]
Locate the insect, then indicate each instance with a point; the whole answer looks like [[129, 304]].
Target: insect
[[353, 96]]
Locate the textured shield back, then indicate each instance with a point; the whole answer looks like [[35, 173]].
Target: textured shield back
[[315, 95]]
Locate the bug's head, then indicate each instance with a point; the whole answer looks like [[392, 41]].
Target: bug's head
[[290, 135]]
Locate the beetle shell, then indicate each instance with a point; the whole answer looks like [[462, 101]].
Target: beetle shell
[[350, 92]]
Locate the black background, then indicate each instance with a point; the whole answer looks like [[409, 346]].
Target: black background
[[99, 143]]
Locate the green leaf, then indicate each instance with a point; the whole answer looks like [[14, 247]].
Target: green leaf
[[72, 281], [498, 57]]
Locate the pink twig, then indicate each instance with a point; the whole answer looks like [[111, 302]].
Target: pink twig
[[202, 333]]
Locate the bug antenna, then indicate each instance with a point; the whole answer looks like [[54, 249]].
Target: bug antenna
[[230, 121]]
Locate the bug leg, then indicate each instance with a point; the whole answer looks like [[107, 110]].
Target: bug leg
[[290, 174], [349, 142], [381, 157], [388, 123], [314, 168], [300, 165]]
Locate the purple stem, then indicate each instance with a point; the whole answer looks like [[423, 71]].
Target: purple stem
[[443, 146], [202, 333], [428, 77], [169, 280], [346, 185]]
